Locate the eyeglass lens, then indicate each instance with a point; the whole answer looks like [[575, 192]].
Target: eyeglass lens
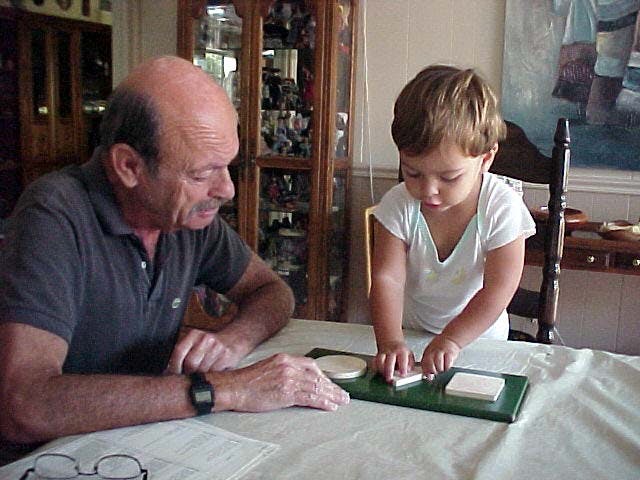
[[118, 467], [110, 467], [55, 466]]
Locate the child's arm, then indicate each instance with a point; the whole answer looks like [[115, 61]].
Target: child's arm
[[502, 272], [388, 272]]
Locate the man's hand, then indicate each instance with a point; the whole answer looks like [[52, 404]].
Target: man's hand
[[393, 356], [439, 356], [200, 351], [277, 382]]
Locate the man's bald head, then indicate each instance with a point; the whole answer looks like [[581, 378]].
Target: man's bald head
[[167, 97]]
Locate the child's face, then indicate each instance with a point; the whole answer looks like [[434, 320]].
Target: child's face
[[445, 177]]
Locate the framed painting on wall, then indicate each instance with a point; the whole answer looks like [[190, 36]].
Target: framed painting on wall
[[578, 59]]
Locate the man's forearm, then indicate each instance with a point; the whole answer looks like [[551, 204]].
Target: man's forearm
[[260, 315], [70, 404]]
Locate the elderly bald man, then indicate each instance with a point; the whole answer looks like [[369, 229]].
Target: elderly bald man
[[100, 260]]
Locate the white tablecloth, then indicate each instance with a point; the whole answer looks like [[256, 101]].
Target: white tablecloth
[[580, 419]]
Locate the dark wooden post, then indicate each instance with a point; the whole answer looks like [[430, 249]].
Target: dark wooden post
[[554, 234]]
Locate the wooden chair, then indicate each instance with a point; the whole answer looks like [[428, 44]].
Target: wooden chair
[[519, 158], [197, 316], [369, 227]]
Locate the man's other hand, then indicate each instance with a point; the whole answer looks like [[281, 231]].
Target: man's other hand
[[200, 351]]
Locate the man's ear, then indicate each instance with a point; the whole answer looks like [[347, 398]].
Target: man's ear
[[127, 164], [487, 158]]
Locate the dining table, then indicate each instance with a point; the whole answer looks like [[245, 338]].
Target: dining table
[[580, 418]]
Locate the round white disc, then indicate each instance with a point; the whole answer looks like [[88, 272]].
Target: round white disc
[[339, 367]]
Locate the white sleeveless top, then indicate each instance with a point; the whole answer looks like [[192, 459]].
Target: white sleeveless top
[[436, 292]]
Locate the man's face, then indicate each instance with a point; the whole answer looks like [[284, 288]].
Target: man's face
[[191, 182], [443, 178]]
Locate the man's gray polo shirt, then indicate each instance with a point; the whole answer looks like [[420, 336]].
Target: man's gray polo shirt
[[71, 266]]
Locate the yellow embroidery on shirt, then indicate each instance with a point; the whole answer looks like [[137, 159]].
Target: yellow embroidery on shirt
[[459, 277], [430, 275]]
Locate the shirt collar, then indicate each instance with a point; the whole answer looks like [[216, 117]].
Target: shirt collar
[[103, 198]]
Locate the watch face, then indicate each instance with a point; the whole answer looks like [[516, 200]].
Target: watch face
[[64, 4], [202, 396]]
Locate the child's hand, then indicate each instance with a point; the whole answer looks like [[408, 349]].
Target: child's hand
[[393, 356], [439, 356]]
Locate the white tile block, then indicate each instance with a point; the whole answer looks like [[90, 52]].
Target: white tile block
[[414, 376], [471, 385]]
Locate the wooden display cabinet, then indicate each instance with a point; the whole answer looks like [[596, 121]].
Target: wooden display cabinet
[[10, 175], [287, 65], [64, 80]]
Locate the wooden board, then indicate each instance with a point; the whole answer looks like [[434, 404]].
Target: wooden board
[[427, 395]]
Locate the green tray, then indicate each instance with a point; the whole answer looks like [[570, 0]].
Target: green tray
[[427, 395]]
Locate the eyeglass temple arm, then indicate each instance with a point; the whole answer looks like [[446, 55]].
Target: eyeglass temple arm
[[25, 475]]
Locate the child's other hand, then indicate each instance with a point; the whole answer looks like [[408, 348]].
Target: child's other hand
[[393, 356], [439, 356]]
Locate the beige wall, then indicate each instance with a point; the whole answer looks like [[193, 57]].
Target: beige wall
[[396, 40], [142, 29]]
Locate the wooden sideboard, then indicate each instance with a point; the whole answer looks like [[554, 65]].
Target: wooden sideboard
[[584, 249]]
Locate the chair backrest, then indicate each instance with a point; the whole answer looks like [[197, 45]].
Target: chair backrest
[[519, 158], [369, 227]]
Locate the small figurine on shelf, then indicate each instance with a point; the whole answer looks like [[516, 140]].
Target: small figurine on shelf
[[344, 31], [275, 25], [281, 144], [288, 184], [274, 226], [271, 88], [286, 223], [281, 13], [281, 127], [307, 93], [305, 147], [296, 25], [290, 95], [273, 190], [286, 147]]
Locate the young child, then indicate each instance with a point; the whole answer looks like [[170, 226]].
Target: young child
[[449, 249]]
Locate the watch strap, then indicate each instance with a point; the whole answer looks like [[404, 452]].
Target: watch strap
[[201, 393]]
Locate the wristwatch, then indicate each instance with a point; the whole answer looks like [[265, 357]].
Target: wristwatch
[[201, 393]]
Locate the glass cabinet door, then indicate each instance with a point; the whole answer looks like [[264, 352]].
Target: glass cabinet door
[[217, 50], [338, 224], [287, 67], [95, 84], [287, 80], [284, 223], [40, 102], [286, 144], [343, 78], [10, 177]]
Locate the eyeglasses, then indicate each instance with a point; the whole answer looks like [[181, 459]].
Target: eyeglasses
[[56, 466]]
